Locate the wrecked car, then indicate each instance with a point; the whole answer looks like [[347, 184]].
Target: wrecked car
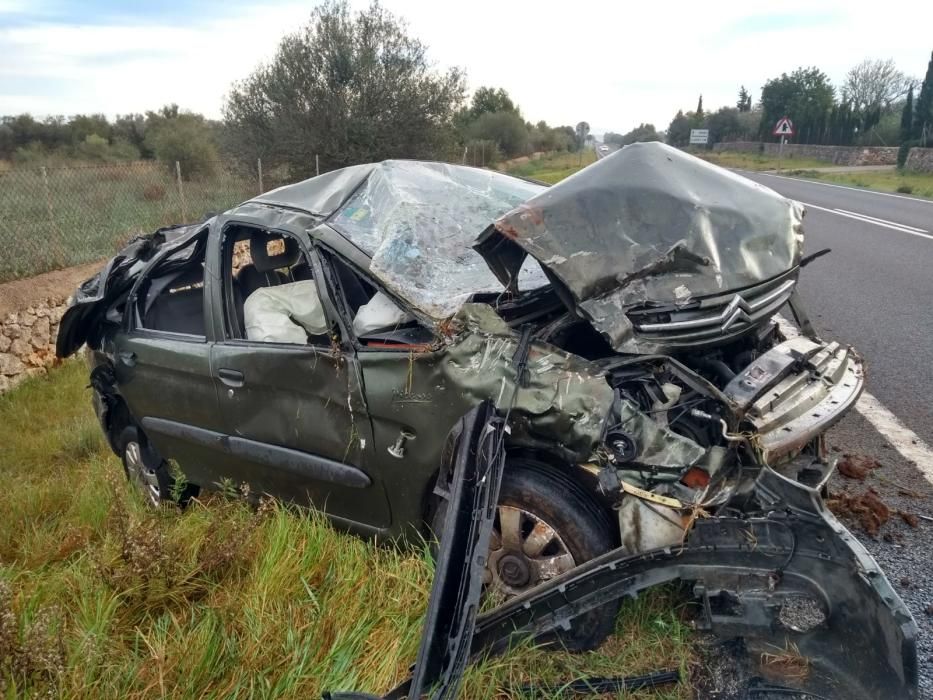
[[320, 342]]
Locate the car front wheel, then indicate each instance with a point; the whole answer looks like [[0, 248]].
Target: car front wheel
[[148, 473], [545, 525]]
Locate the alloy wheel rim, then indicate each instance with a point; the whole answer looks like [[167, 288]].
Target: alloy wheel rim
[[524, 551], [143, 478]]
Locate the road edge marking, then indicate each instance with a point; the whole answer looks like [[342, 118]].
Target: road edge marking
[[881, 221], [907, 443], [893, 227]]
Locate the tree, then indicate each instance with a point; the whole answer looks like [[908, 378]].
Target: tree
[[487, 100], [641, 133], [506, 129], [699, 112], [724, 125], [582, 131], [907, 116], [806, 96], [923, 109], [678, 131], [874, 83], [350, 88], [185, 138], [744, 103]]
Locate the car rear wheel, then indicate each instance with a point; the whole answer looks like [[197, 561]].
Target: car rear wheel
[[148, 473], [545, 525]]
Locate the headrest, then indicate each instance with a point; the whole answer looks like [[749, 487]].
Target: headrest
[[259, 252]]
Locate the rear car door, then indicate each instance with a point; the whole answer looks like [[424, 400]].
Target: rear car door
[[162, 358], [293, 411]]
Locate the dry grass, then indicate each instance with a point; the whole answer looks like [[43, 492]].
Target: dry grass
[[554, 167], [900, 181], [100, 598], [757, 161]]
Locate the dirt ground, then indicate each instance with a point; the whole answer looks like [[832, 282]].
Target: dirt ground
[[58, 284]]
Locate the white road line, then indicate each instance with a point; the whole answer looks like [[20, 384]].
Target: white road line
[[910, 446], [858, 217], [883, 221], [844, 187]]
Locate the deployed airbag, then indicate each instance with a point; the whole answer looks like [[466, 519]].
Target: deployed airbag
[[287, 313], [379, 313]]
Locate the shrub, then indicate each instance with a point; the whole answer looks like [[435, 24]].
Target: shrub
[[153, 193], [903, 152], [905, 189], [187, 140]]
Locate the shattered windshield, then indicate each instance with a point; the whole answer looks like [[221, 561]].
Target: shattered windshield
[[418, 222]]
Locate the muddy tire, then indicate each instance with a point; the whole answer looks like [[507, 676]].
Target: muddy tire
[[546, 524], [146, 472]]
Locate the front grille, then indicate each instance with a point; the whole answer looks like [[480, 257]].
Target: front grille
[[722, 316]]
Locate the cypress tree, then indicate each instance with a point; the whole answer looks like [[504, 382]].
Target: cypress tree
[[907, 116], [923, 109]]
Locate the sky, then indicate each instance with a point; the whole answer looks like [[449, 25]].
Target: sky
[[613, 64]]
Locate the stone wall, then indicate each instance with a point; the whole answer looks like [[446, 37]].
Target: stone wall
[[920, 160], [838, 155], [27, 341]]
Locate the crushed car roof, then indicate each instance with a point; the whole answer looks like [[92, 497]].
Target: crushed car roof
[[417, 221]]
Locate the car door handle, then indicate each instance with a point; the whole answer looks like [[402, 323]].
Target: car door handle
[[231, 377], [127, 358]]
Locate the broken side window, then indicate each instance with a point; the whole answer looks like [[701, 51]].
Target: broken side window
[[170, 298], [270, 294]]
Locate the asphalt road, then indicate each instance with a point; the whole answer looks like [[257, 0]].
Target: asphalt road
[[875, 290]]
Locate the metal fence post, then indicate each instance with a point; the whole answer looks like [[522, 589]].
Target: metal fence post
[[181, 191], [259, 170], [317, 165], [48, 195]]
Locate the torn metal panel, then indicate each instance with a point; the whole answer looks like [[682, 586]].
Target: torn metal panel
[[95, 296], [783, 571], [650, 225], [418, 221], [567, 399], [656, 445], [474, 492]]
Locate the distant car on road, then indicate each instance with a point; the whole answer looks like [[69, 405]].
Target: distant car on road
[[604, 148]]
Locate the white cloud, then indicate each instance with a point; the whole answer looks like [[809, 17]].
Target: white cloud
[[613, 64]]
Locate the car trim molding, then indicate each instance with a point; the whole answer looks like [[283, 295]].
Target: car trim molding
[[294, 461]]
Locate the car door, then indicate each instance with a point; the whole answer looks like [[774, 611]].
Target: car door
[[162, 358], [295, 421]]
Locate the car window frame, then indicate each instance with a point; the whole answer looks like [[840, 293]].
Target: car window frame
[[342, 309], [226, 289], [132, 322]]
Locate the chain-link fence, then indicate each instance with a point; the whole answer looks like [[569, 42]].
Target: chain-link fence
[[55, 217]]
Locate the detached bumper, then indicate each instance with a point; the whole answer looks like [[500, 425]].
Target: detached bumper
[[795, 392]]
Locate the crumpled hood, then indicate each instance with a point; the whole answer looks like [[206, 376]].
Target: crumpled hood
[[652, 225]]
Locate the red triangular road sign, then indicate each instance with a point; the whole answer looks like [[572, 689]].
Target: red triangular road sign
[[784, 127]]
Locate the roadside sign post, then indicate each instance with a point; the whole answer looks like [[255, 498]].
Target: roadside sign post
[[784, 128], [699, 137]]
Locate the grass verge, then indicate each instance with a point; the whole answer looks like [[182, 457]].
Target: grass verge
[[897, 181], [100, 598], [757, 161], [553, 167]]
